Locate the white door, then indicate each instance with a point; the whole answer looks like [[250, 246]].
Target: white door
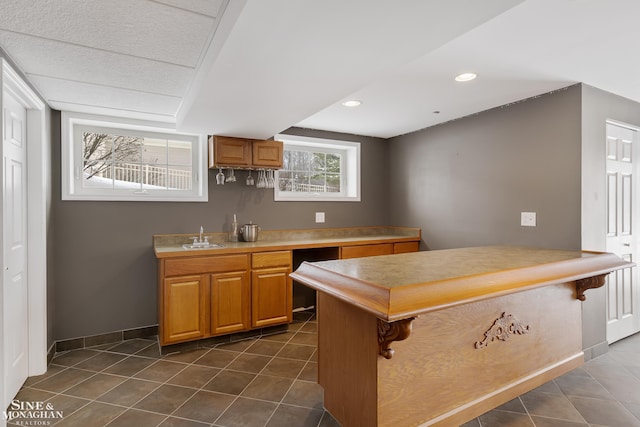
[[622, 298], [14, 208]]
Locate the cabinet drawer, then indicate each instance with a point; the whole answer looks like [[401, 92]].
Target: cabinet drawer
[[205, 264], [271, 259], [404, 247], [366, 250]]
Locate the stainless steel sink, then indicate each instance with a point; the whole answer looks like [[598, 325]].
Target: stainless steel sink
[[199, 245]]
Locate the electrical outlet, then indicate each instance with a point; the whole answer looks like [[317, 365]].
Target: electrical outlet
[[528, 219], [319, 217]]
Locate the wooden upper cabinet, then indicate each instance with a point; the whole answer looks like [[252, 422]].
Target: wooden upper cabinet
[[267, 154], [229, 152]]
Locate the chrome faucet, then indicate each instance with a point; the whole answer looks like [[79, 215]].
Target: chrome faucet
[[200, 241]]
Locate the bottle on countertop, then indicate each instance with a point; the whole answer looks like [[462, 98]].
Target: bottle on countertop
[[233, 234]]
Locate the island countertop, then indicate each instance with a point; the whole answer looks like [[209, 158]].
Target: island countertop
[[479, 326], [394, 287]]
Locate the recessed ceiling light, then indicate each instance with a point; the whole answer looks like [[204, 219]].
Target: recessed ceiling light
[[465, 77], [352, 103]]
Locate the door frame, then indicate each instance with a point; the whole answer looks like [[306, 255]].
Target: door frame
[[38, 193], [611, 335]]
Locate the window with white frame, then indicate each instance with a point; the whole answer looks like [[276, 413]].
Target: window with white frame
[[317, 169], [109, 159]]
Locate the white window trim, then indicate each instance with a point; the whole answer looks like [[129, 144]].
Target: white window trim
[[351, 167], [71, 162]]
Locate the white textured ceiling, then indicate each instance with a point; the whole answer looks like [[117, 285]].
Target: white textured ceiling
[[121, 57], [256, 67]]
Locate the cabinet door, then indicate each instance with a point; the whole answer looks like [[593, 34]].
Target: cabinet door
[[366, 250], [271, 297], [404, 247], [183, 317], [267, 154], [230, 302], [231, 152]]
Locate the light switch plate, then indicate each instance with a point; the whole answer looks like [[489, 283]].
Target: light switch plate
[[319, 217], [528, 219]]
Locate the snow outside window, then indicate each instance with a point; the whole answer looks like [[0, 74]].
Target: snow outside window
[[104, 159]]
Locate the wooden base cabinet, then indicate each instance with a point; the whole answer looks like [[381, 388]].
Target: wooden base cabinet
[[201, 297], [230, 302], [360, 251], [406, 247], [271, 294], [271, 289], [183, 308]]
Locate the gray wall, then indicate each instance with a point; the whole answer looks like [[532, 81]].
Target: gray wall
[[597, 107], [105, 267], [465, 182]]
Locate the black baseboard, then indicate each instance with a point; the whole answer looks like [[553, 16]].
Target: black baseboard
[[151, 331], [223, 339], [596, 350], [108, 338]]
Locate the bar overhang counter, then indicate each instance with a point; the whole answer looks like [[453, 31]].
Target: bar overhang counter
[[436, 338]]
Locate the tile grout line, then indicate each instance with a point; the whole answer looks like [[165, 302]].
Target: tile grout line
[[62, 393], [324, 416], [127, 355], [256, 375], [199, 389], [297, 376], [126, 408], [284, 343], [620, 365], [160, 384]]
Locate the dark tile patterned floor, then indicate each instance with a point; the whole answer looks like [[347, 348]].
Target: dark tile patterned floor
[[271, 382], [603, 392]]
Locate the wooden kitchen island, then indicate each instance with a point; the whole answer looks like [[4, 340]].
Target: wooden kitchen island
[[440, 337]]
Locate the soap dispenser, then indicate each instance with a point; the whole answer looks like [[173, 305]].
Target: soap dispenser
[[233, 234]]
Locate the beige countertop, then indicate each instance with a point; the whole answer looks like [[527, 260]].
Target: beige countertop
[[404, 285], [170, 245]]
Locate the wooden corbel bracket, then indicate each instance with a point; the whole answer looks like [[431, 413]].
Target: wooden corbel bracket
[[588, 283], [390, 332]]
